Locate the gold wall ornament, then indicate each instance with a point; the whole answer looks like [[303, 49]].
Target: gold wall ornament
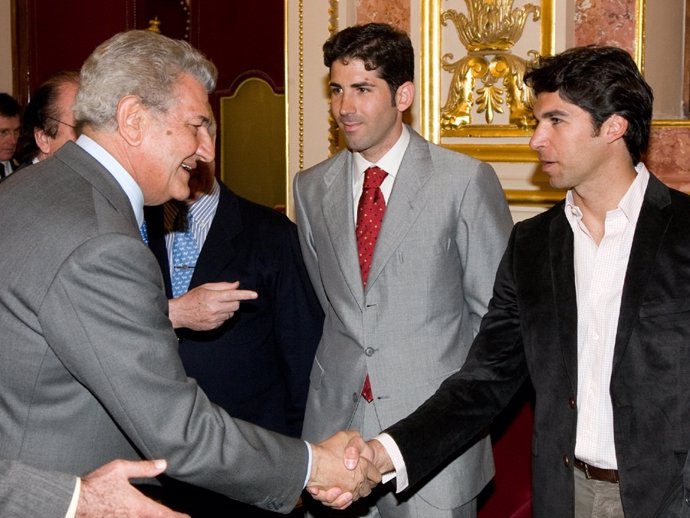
[[334, 141], [489, 75], [154, 25]]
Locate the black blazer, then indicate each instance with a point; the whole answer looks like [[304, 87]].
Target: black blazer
[[530, 330], [256, 366]]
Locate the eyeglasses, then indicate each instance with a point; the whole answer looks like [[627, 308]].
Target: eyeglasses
[[61, 122]]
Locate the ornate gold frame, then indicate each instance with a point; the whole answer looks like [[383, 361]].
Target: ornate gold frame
[[430, 86], [430, 107]]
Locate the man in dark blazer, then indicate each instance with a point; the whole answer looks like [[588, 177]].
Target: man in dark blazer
[[591, 302], [10, 127], [89, 367], [255, 364]]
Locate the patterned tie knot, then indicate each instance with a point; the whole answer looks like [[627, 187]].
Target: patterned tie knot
[[374, 177]]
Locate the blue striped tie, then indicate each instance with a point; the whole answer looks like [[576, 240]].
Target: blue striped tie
[[184, 255], [144, 232]]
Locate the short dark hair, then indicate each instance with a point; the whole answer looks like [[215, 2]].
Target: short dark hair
[[603, 81], [42, 113], [380, 46], [9, 107]]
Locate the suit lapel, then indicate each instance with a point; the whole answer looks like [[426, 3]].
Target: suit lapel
[[100, 178], [561, 253], [219, 246], [156, 235], [405, 203], [338, 215], [652, 223]]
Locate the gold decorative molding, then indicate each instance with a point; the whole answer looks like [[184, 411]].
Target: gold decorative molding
[[536, 198], [333, 131], [300, 45], [492, 29], [497, 153], [490, 74], [154, 25]]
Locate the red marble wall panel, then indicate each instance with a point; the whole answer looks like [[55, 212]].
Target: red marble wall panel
[[395, 12], [607, 22], [613, 22]]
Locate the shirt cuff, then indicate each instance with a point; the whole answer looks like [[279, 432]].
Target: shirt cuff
[[400, 473], [309, 457], [72, 509]]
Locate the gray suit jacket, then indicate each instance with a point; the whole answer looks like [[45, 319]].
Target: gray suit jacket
[[89, 369], [445, 229], [27, 491]]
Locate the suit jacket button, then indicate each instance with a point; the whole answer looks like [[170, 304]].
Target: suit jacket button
[[355, 397], [566, 461], [572, 402], [369, 351]]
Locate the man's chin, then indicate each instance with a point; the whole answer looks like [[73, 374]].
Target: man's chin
[[181, 194]]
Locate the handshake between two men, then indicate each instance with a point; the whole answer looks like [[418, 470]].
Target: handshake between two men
[[346, 467]]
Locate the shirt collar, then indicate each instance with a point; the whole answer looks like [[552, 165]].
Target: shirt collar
[[630, 204], [122, 177], [390, 162], [202, 210]]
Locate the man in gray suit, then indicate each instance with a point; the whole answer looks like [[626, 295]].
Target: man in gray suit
[[390, 339], [89, 368], [103, 493]]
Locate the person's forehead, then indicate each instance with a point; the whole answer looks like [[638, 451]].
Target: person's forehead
[[66, 95], [9, 122]]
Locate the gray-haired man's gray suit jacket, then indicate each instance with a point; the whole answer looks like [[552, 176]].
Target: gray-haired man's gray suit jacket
[[89, 369], [28, 491], [444, 231]]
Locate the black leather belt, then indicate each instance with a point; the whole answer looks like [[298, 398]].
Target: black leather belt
[[594, 473]]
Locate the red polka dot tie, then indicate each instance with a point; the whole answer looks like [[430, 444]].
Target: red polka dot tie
[[370, 210], [372, 206]]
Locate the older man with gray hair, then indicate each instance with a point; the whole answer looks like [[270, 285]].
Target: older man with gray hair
[[90, 370]]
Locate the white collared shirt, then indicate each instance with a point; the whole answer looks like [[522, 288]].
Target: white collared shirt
[[122, 177], [390, 162], [599, 278]]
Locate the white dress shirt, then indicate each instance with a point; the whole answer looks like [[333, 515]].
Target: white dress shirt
[[599, 278], [599, 275], [390, 162]]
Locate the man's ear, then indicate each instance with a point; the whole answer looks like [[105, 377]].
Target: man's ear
[[42, 140], [404, 96], [132, 119], [615, 127]]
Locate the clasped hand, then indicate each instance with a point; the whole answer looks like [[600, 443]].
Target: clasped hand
[[343, 470]]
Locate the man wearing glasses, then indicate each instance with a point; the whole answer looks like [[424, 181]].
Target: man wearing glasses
[[10, 122], [48, 120]]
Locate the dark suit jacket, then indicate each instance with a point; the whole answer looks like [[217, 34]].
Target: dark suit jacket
[[89, 369], [530, 329], [257, 364]]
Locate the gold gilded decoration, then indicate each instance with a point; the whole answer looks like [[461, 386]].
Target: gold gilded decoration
[[300, 137], [155, 25], [489, 75], [334, 144]]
